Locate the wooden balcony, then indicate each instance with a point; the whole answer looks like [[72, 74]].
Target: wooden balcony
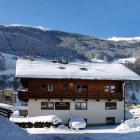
[[25, 95]]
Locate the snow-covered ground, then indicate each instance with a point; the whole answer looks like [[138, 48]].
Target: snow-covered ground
[[131, 125], [135, 111], [124, 60], [95, 60], [10, 64], [90, 133], [10, 60], [10, 131], [62, 129], [128, 130]]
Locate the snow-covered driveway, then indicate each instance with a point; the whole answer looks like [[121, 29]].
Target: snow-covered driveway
[[90, 133], [94, 136]]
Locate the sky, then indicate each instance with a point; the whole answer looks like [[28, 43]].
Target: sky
[[97, 18]]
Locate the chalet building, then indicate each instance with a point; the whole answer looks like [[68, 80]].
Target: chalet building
[[93, 91]]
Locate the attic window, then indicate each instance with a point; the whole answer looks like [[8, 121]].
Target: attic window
[[83, 69], [62, 68]]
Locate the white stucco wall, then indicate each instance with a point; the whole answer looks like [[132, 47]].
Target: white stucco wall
[[95, 113]]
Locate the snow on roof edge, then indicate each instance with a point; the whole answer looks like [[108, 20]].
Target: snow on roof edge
[[39, 77]]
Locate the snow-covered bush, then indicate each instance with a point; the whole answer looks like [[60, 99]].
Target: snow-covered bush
[[129, 124]]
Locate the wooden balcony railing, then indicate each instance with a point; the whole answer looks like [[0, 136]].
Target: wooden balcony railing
[[25, 95]]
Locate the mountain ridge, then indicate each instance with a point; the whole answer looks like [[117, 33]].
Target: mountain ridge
[[23, 40]]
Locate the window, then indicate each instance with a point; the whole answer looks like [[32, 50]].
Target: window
[[50, 87], [44, 87], [62, 106], [65, 87], [80, 105], [110, 105], [71, 85], [110, 88], [78, 89], [47, 105], [83, 88], [110, 120]]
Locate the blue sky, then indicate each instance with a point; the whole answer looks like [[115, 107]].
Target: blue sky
[[99, 18]]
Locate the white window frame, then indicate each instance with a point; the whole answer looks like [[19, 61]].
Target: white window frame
[[80, 104], [50, 87], [110, 88], [111, 107], [47, 106]]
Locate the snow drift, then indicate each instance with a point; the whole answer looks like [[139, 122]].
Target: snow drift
[[10, 131], [130, 125]]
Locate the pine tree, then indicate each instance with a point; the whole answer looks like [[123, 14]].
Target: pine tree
[[133, 97]]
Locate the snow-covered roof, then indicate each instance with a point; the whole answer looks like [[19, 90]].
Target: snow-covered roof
[[7, 106], [75, 70]]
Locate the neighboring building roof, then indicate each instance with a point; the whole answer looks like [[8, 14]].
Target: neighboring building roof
[[7, 107], [77, 70]]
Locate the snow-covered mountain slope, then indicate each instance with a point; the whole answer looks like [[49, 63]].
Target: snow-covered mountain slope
[[23, 25], [25, 40], [117, 60], [7, 64], [10, 60], [125, 60], [129, 39]]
